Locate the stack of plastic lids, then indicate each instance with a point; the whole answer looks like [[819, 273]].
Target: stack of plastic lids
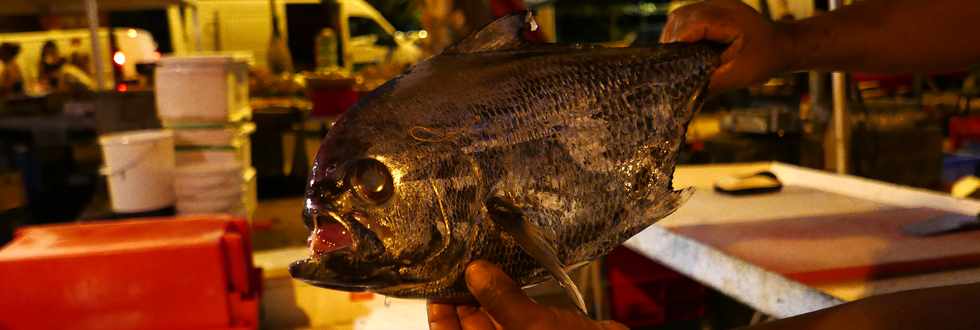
[[164, 273], [213, 143], [214, 188], [204, 100]]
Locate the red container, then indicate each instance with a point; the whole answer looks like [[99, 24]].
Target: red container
[[164, 273], [331, 97], [962, 129], [644, 293]]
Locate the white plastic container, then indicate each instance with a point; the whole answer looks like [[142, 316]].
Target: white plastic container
[[139, 166], [204, 88]]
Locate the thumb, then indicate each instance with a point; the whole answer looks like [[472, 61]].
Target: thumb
[[501, 297]]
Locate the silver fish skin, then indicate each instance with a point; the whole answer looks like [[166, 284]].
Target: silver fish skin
[[580, 140]]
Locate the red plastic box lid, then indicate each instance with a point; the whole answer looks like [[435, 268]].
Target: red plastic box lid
[[161, 273]]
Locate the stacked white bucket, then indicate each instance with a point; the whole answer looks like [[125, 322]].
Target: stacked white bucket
[[204, 101], [139, 166]]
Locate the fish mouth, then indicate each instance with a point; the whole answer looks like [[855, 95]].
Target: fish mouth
[[329, 233], [340, 253]]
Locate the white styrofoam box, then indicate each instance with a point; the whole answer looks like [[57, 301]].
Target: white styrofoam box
[[291, 304], [211, 134], [203, 88]]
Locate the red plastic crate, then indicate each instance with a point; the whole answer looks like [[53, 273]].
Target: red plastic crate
[[643, 293], [163, 273]]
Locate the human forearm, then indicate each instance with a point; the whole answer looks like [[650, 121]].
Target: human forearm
[[889, 36], [949, 308]]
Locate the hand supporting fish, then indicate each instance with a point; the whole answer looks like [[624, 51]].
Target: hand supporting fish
[[535, 157]]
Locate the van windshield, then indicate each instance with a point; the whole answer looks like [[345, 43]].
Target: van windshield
[[360, 26]]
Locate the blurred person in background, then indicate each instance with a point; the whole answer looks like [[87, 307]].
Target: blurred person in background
[[49, 67], [11, 78], [886, 36], [57, 74]]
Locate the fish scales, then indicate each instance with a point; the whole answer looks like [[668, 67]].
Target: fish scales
[[581, 140]]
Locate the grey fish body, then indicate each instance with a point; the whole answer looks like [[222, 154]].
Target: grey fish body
[[582, 140]]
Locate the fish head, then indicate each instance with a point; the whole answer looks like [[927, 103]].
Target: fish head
[[379, 205]]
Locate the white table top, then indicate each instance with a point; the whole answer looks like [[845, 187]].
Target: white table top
[[807, 193]]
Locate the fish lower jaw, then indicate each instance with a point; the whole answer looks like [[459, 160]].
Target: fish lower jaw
[[317, 256], [313, 272], [335, 286]]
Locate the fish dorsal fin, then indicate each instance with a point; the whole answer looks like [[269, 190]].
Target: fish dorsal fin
[[532, 241], [505, 33]]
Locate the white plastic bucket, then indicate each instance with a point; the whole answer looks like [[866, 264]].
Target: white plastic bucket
[[203, 88], [140, 168]]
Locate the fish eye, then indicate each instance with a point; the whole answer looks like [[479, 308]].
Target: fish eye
[[372, 181]]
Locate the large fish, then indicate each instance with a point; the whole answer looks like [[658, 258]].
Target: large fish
[[537, 157]]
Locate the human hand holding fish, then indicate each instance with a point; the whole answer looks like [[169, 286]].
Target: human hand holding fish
[[503, 305], [757, 47], [880, 36]]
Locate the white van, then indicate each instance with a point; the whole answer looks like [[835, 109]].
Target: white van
[[246, 25], [133, 46], [372, 43]]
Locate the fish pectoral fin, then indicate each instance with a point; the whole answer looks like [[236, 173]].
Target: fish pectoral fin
[[532, 241], [505, 33]]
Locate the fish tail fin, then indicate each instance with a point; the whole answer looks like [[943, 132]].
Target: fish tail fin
[[654, 208], [666, 206]]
